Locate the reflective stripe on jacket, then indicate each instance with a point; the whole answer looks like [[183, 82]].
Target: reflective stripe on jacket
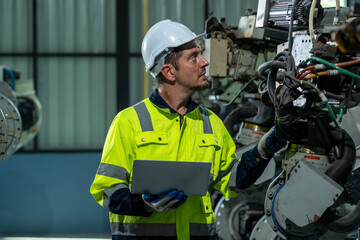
[[146, 131]]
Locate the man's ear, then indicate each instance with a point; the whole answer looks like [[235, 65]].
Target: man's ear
[[168, 72]]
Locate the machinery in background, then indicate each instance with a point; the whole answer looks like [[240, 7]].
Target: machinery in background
[[234, 54], [20, 112], [311, 86]]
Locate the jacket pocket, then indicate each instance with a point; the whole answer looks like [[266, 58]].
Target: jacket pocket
[[207, 147], [206, 204], [152, 145], [151, 137]]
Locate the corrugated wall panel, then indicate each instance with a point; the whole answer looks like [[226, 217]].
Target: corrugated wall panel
[[79, 102], [136, 83], [78, 95], [188, 12], [76, 26], [15, 25], [232, 10]]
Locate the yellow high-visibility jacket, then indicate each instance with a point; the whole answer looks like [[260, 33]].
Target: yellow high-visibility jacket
[[146, 131]]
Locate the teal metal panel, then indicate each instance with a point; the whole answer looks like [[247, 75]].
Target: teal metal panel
[[48, 195]]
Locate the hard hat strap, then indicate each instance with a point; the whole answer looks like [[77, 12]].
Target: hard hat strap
[[160, 61]]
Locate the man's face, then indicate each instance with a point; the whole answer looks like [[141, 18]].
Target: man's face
[[191, 68]]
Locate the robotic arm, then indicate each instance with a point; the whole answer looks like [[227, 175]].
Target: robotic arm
[[20, 112], [310, 92]]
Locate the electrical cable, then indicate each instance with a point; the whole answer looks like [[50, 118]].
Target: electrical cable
[[353, 75], [316, 75], [262, 87], [303, 75], [325, 101], [238, 94], [311, 20], [287, 58], [282, 60], [290, 37], [322, 96], [331, 95], [341, 115], [342, 64]]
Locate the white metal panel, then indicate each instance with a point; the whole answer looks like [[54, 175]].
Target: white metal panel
[[79, 101], [76, 26], [305, 196]]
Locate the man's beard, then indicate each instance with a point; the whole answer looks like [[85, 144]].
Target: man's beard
[[198, 88]]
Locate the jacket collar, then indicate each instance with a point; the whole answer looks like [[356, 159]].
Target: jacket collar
[[156, 99]]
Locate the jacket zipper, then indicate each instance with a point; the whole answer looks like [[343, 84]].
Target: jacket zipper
[[181, 120]]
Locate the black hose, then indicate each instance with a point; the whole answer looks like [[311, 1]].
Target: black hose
[[262, 69], [239, 114], [347, 223], [339, 172], [270, 69], [287, 58], [340, 169]]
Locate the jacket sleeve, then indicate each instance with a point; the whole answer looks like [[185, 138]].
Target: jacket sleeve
[[250, 168], [124, 203], [110, 187], [225, 160], [235, 173]]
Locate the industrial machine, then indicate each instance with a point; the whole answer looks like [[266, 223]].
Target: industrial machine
[[310, 92], [234, 54], [20, 112]]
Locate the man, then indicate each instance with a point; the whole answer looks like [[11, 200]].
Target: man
[[170, 126]]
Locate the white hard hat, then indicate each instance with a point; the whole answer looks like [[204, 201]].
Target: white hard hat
[[160, 40]]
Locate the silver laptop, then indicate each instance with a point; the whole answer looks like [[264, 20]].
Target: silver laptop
[[157, 177]]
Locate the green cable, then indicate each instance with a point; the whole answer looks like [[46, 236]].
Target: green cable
[[353, 75], [332, 115], [341, 115], [331, 112]]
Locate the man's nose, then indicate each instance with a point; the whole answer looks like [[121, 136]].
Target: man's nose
[[204, 62]]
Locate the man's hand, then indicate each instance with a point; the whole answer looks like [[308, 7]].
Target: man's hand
[[164, 203], [270, 144]]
